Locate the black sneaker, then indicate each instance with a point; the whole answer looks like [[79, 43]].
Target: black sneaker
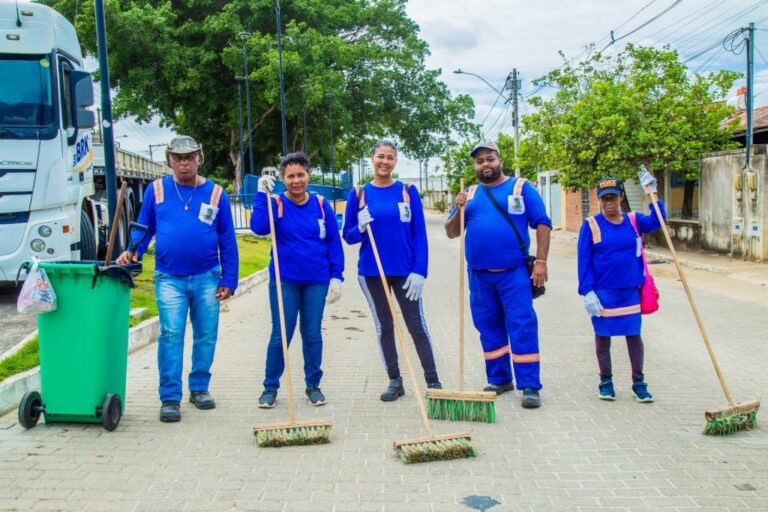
[[202, 400], [500, 388], [531, 398], [435, 385], [315, 396], [268, 399], [170, 412], [394, 391]]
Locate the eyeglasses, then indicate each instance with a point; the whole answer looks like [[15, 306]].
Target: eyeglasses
[[176, 157]]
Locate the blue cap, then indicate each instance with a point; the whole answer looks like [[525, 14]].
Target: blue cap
[[609, 185]]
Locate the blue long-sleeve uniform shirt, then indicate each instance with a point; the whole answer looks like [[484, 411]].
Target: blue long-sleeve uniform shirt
[[491, 242], [308, 244], [401, 237], [184, 244], [614, 261]]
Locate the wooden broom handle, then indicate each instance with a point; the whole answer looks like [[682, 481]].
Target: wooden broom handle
[[114, 228], [400, 337], [690, 297], [461, 291], [281, 312]]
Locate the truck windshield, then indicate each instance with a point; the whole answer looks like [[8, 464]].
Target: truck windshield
[[26, 99]]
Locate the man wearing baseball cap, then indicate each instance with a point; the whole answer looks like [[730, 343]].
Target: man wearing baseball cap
[[196, 265], [498, 214]]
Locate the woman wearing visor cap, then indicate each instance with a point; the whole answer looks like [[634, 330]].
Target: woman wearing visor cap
[[610, 276]]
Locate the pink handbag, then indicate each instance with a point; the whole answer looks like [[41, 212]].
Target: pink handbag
[[649, 294]]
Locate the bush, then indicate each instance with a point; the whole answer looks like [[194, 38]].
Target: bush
[[441, 205]]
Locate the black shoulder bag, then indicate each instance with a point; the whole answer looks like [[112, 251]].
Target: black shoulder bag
[[530, 261]]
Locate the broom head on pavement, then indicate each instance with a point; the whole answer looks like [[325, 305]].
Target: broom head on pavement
[[428, 449], [461, 405], [732, 419], [293, 433]]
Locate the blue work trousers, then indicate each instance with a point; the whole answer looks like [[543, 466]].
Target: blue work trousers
[[502, 310], [305, 302], [176, 297]]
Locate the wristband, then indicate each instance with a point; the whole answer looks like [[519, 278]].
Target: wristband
[[540, 261]]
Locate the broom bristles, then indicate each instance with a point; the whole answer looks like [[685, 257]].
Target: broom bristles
[[293, 436], [726, 424], [439, 449], [457, 409]]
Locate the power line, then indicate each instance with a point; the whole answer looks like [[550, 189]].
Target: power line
[[643, 25]]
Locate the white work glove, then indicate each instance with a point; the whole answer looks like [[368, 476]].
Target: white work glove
[[363, 219], [646, 178], [334, 291], [592, 304], [414, 285], [266, 184]]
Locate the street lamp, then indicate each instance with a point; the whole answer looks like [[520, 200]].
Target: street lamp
[[151, 155], [304, 120], [329, 96], [511, 80], [244, 36], [284, 131], [240, 120]]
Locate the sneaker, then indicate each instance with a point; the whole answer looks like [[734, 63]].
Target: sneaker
[[315, 396], [268, 399], [605, 390], [640, 392], [531, 398], [435, 385], [202, 400], [170, 412], [500, 388], [393, 391]]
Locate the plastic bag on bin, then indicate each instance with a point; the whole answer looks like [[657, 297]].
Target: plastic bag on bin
[[37, 295]]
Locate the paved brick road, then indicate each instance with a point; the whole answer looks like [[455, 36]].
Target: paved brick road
[[576, 452]]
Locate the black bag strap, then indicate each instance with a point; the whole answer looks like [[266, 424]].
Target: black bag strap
[[506, 217]]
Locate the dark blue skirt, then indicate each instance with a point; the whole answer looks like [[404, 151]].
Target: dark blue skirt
[[621, 312]]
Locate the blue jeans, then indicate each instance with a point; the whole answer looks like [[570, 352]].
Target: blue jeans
[[176, 296], [306, 301]]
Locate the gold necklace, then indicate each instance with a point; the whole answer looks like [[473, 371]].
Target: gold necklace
[[186, 204]]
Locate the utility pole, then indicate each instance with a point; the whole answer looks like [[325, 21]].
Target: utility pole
[[284, 131], [750, 89], [239, 80], [106, 110], [329, 96], [245, 36], [515, 121]]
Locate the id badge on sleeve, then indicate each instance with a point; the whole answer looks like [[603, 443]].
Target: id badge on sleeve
[[405, 212], [207, 214], [321, 222]]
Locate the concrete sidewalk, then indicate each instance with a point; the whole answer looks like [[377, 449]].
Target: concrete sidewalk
[[575, 453]]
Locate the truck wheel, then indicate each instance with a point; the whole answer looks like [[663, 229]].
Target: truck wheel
[[30, 407], [87, 238], [111, 411]]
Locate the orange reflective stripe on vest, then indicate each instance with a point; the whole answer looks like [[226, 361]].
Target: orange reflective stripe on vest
[[157, 187], [320, 200], [216, 195], [279, 206], [471, 192], [518, 190], [597, 235]]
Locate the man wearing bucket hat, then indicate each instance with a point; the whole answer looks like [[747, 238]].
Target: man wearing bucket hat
[[498, 213], [196, 265]]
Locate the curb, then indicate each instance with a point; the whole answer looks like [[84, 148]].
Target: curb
[[666, 258], [13, 388]]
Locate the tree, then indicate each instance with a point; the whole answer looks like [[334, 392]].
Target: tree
[[611, 114], [178, 60]]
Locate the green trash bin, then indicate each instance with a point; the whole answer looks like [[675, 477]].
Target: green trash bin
[[83, 345]]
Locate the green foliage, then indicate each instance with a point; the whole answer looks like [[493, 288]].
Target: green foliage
[[441, 205], [459, 164], [611, 114], [25, 359], [178, 61]]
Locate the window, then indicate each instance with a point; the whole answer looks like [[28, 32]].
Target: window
[[66, 101], [26, 101], [683, 198], [585, 206]]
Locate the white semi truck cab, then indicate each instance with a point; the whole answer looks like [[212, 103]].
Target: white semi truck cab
[[51, 204]]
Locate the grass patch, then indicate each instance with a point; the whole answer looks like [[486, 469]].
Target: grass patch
[[26, 358]]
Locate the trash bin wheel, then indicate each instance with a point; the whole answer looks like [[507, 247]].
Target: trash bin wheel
[[111, 411], [30, 407]]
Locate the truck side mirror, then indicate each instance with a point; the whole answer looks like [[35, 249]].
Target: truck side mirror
[[81, 85]]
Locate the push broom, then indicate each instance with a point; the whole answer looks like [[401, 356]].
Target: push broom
[[294, 432], [735, 417], [432, 447], [461, 405]]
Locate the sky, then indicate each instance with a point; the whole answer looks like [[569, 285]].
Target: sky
[[491, 37]]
